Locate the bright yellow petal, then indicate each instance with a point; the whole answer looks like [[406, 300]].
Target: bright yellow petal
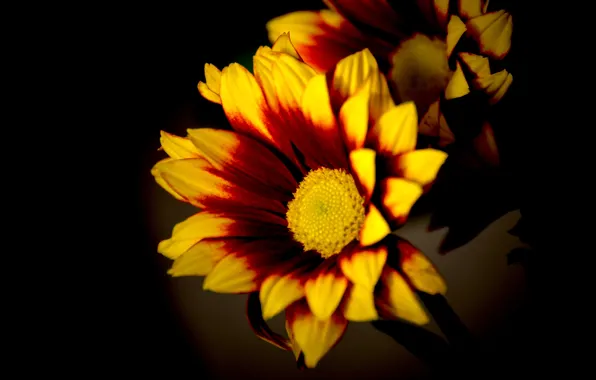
[[199, 259], [352, 71], [177, 147], [380, 99], [396, 131], [314, 336], [362, 163], [156, 173], [290, 77], [398, 197], [232, 275], [324, 293], [295, 347], [283, 44], [279, 291], [471, 8], [211, 89], [455, 29], [458, 85], [360, 304], [363, 266], [353, 116], [420, 166], [375, 227], [420, 271], [398, 300], [206, 93], [492, 31]]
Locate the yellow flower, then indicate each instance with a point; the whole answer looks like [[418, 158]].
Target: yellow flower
[[432, 50], [298, 201]]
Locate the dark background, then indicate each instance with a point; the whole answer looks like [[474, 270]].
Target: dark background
[[160, 56]]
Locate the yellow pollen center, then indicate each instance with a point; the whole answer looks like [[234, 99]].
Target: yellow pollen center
[[327, 211]]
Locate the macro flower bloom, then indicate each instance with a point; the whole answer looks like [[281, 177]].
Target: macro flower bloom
[[298, 201], [433, 52]]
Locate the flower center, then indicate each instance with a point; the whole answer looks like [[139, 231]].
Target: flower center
[[327, 211], [420, 70]]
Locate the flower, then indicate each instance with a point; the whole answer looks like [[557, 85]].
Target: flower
[[298, 201], [434, 51]]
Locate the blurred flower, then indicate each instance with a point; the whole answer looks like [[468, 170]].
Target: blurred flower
[[298, 201], [433, 51]]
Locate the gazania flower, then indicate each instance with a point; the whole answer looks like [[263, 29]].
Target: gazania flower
[[433, 51], [299, 200]]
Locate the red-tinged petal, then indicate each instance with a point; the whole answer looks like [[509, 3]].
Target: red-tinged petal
[[243, 270], [396, 299], [420, 166], [495, 85], [476, 65], [246, 161], [195, 181], [283, 44], [211, 224], [455, 29], [293, 344], [458, 85], [360, 304], [429, 125], [177, 147], [398, 197], [325, 289], [200, 259], [211, 89], [420, 70], [322, 124], [486, 145], [322, 38], [436, 12], [290, 77], [374, 228], [492, 31], [260, 327], [419, 270], [353, 116], [244, 104], [363, 266], [372, 13], [351, 73], [315, 337], [155, 172], [363, 165], [471, 8], [396, 131]]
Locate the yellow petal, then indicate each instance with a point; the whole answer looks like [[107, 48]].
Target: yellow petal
[[199, 259], [362, 163], [363, 266], [475, 64], [420, 166], [353, 116], [314, 336], [420, 271], [495, 85], [352, 71], [232, 275], [398, 300], [380, 99], [283, 44], [455, 29], [472, 8], [177, 147], [279, 291], [398, 197], [324, 292], [294, 345], [492, 31], [396, 130], [375, 227], [156, 173], [290, 77], [458, 85], [211, 89], [360, 305]]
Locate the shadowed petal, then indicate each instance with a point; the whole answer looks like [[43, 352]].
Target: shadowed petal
[[396, 299], [472, 8], [455, 29], [495, 85], [260, 327], [492, 31], [458, 85], [377, 13], [420, 271], [315, 337]]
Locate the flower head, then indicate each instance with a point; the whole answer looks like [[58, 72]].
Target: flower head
[[433, 51], [298, 201]]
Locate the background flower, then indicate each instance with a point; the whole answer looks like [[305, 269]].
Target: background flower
[[306, 226]]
